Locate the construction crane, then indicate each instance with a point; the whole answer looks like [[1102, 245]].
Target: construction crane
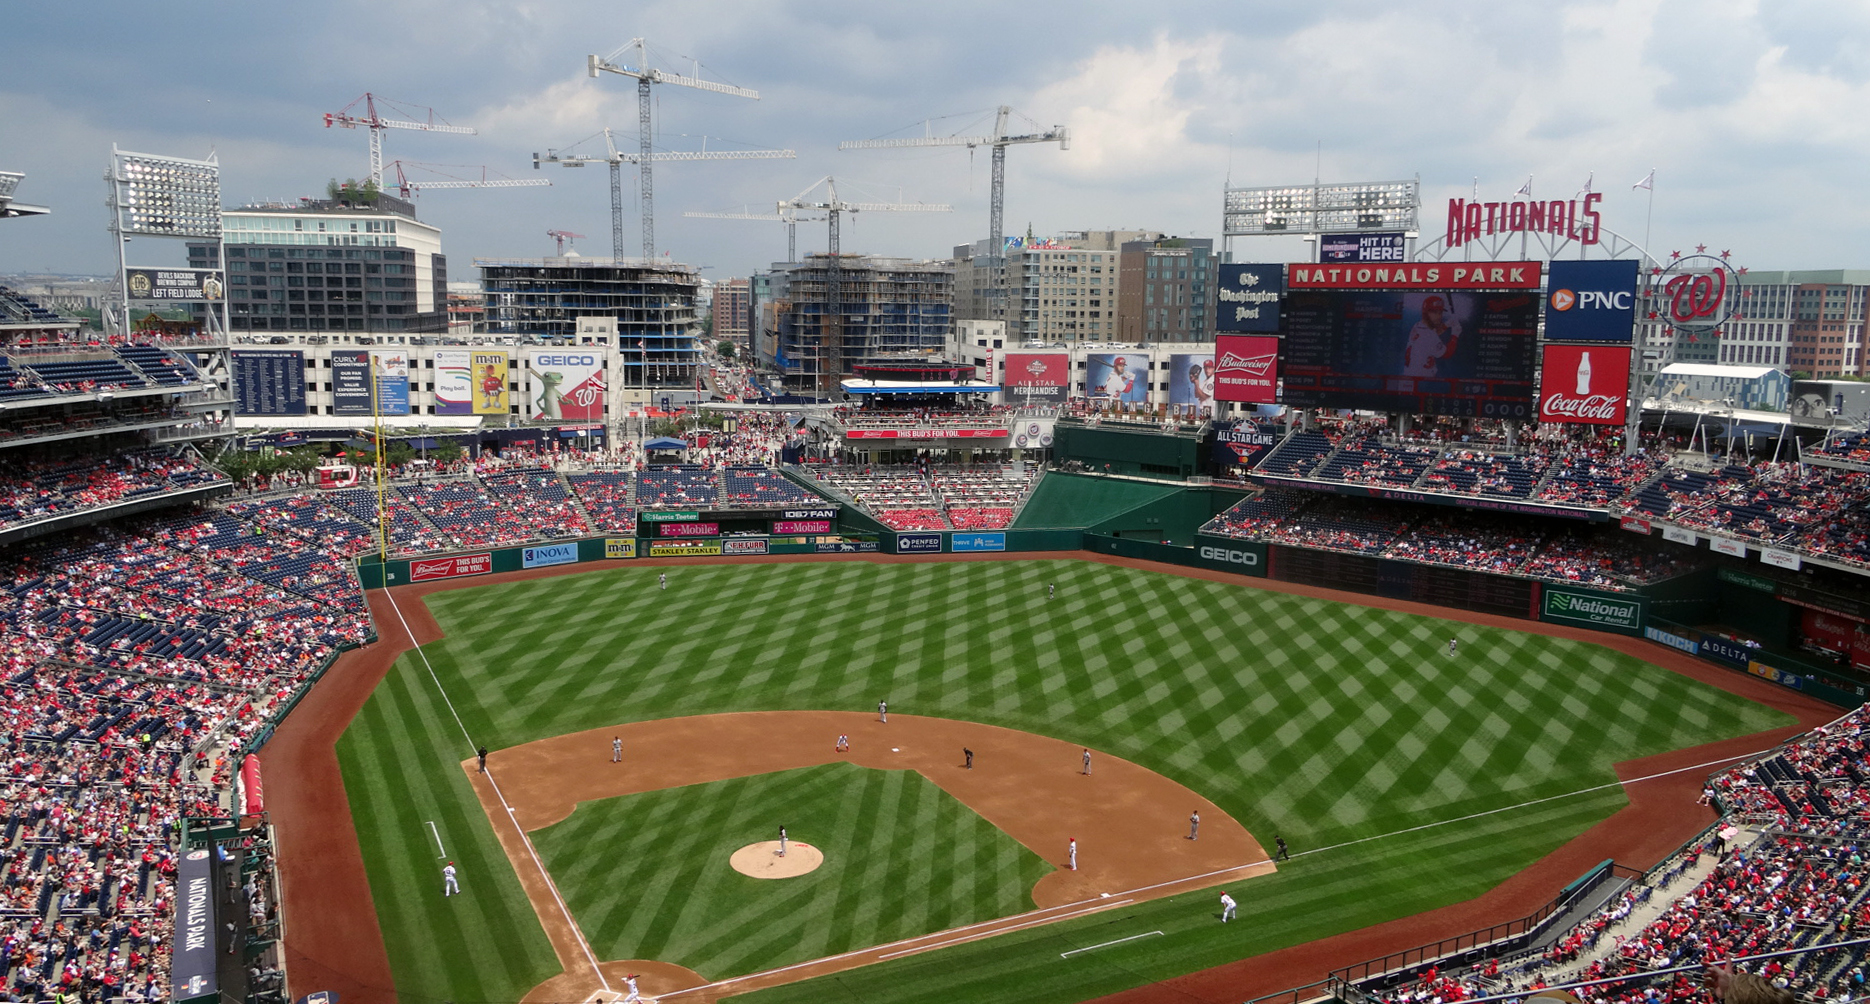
[[561, 236], [999, 141], [833, 207], [789, 217], [409, 187], [646, 76], [376, 124], [616, 159]]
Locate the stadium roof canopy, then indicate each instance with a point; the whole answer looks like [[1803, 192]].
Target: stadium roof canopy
[[916, 387], [9, 180], [665, 443]]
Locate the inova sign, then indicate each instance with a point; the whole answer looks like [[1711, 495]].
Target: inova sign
[[1594, 611]]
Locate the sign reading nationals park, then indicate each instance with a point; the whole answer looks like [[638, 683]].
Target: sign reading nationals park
[[1480, 275]]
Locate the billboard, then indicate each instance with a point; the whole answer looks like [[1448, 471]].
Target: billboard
[[1593, 610], [1432, 352], [453, 566], [1038, 377], [1117, 376], [1818, 402], [565, 384], [1362, 247], [918, 543], [926, 433], [1247, 368], [619, 547], [454, 389], [1191, 382], [269, 382], [689, 529], [350, 381], [194, 966], [1246, 297], [1431, 275], [977, 542], [1584, 384], [488, 376], [548, 554], [683, 548], [392, 381], [744, 545], [1590, 301], [1243, 443], [199, 284], [785, 526]]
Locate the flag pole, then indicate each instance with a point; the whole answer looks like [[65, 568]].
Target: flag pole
[[1650, 213]]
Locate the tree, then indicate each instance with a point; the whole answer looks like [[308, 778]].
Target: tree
[[727, 350]]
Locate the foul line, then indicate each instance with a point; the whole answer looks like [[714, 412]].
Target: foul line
[[1101, 905], [1107, 944], [438, 839], [530, 850]]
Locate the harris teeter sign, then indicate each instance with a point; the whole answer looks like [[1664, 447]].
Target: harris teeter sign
[[1593, 610]]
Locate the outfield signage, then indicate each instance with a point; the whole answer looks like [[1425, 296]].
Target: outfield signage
[[193, 970], [918, 543], [802, 526], [1673, 640], [977, 542], [744, 545], [1679, 535], [831, 513], [454, 566], [1243, 556], [1593, 610], [1780, 559], [1728, 545], [926, 433], [690, 529], [669, 517], [1784, 678], [1747, 579], [1496, 275], [620, 547], [844, 545], [1723, 650], [683, 548], [548, 554]]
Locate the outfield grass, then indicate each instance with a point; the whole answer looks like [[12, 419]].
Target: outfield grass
[[1323, 722], [647, 875]]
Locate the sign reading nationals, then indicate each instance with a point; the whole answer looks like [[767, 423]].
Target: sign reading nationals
[[925, 434], [451, 567], [1480, 275]]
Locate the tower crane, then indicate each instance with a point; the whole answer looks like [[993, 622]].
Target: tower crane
[[616, 159], [409, 187], [833, 207], [999, 141], [645, 76], [561, 236], [369, 119], [789, 217]]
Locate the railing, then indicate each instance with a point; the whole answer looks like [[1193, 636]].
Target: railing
[[1297, 995], [176, 433]]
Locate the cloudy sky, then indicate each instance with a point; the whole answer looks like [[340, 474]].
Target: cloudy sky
[[1752, 114]]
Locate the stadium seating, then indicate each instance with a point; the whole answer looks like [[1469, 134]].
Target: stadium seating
[[1371, 462], [608, 497], [979, 497], [166, 368], [759, 486], [1486, 474], [677, 487], [36, 491], [1299, 455]]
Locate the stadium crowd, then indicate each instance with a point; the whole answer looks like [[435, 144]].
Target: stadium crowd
[[36, 490], [931, 497]]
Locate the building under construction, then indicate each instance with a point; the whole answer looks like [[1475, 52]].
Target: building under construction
[[541, 300], [886, 310]]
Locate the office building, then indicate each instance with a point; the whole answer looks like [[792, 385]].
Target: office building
[[888, 310], [1167, 290], [732, 302]]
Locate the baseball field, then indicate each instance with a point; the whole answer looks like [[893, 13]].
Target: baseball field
[[1404, 777]]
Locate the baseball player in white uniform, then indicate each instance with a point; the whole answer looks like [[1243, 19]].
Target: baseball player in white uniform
[[1227, 907], [1119, 380], [1194, 824], [449, 886], [616, 749], [1072, 850], [782, 841], [1431, 340], [883, 712], [634, 994], [1087, 760], [662, 580]]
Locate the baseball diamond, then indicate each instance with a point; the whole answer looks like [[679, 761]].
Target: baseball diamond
[[1405, 780]]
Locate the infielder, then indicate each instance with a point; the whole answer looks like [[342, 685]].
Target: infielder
[[1087, 760], [844, 744], [782, 841], [449, 886], [1071, 848], [1194, 823], [616, 749], [883, 712], [1227, 907]]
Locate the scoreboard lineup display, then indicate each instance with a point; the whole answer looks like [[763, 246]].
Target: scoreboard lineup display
[[1434, 339]]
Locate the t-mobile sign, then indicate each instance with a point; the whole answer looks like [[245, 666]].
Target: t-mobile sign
[[1584, 384], [1246, 368]]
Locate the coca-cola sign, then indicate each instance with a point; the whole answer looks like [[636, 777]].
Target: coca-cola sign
[[1246, 368], [1584, 384]]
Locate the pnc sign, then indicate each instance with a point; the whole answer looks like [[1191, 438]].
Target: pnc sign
[[1591, 301]]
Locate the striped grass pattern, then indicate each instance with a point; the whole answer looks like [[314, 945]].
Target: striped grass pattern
[[1320, 721]]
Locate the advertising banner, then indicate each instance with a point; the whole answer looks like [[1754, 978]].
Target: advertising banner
[[1780, 559], [1635, 524], [202, 284], [1340, 248], [548, 554], [1191, 382], [1584, 385], [392, 380], [844, 545], [1433, 275], [689, 529], [488, 376], [918, 543], [1722, 650], [802, 526], [1679, 535], [1727, 545], [744, 545], [1243, 556], [1243, 443], [1246, 297], [1829, 402], [926, 433], [619, 547], [350, 381], [193, 969], [1783, 677], [829, 513], [1462, 354], [454, 566], [269, 382], [669, 516], [683, 548], [977, 542], [1038, 377], [1246, 369], [565, 384], [1593, 610], [1672, 640], [454, 385], [1590, 301], [1117, 376], [1828, 631]]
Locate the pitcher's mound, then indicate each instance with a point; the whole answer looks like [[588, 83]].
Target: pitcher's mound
[[762, 860]]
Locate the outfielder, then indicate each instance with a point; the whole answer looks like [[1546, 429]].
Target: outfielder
[[449, 886], [1227, 907], [662, 580]]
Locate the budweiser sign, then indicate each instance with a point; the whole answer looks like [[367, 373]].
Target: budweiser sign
[[421, 570], [1246, 368], [1584, 384]]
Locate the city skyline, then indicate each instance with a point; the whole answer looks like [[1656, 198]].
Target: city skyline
[[1744, 114]]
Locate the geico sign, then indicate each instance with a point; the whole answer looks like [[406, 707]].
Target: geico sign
[[578, 360], [1232, 557], [1592, 299]]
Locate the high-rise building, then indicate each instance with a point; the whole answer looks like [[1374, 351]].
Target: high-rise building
[[731, 305], [330, 265], [1061, 289], [542, 300], [1168, 290], [888, 310]]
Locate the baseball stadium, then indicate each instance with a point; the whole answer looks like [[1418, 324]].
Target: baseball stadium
[[1434, 673]]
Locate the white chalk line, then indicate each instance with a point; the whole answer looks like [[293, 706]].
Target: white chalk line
[[438, 840], [1003, 930], [576, 931], [1107, 944]]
